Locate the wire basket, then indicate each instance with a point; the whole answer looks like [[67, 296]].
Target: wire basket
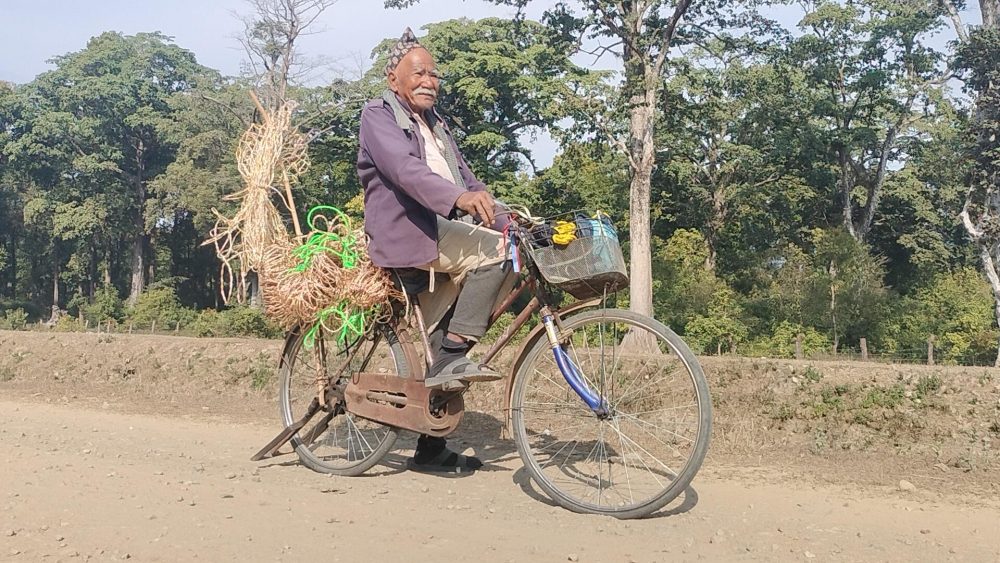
[[589, 266]]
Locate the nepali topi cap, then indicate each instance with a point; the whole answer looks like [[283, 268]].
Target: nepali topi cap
[[406, 43]]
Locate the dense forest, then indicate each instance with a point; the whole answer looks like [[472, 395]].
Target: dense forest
[[835, 178]]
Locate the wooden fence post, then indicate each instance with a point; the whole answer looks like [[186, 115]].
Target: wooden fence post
[[177, 327], [864, 349], [86, 325], [930, 350], [130, 327], [798, 346], [152, 327]]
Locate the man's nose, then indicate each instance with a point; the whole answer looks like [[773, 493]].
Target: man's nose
[[429, 81]]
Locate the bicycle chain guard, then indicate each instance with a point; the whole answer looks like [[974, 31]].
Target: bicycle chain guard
[[402, 402]]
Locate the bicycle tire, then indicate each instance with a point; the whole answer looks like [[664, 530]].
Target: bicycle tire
[[337, 459], [533, 420]]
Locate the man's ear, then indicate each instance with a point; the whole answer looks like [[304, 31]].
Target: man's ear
[[391, 78]]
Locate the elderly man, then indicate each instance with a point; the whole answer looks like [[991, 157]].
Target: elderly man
[[416, 184]]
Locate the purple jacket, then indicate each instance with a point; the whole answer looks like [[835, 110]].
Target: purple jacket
[[402, 195]]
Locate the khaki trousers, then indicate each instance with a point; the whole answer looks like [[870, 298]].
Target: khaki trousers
[[464, 248]]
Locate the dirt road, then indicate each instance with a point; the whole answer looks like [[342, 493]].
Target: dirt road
[[94, 484]]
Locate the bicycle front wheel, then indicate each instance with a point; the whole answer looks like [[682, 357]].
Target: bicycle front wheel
[[641, 454]]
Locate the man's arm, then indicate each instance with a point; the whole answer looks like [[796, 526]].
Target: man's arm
[[389, 149]]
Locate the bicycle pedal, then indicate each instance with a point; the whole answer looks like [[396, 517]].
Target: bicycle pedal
[[454, 385]]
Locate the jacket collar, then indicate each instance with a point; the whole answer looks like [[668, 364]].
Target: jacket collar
[[402, 112]]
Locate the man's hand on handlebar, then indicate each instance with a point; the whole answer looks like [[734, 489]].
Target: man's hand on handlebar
[[477, 204]]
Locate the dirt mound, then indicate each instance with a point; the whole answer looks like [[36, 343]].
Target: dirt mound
[[844, 422]]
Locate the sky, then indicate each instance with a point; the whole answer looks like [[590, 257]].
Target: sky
[[343, 37], [37, 30], [345, 32]]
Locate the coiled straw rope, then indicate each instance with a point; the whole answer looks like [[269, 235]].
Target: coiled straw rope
[[325, 282]]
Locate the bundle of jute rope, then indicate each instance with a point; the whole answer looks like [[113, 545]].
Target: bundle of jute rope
[[323, 280], [266, 148], [327, 283]]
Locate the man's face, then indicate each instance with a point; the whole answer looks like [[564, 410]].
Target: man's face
[[416, 80]]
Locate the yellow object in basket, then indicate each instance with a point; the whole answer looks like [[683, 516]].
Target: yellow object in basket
[[565, 232]]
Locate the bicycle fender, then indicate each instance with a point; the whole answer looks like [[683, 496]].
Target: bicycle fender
[[536, 333]]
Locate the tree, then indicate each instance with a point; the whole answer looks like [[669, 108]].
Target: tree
[[845, 291], [502, 81], [738, 153], [205, 125], [954, 307], [977, 59], [9, 196], [641, 33], [582, 176], [271, 36], [91, 136], [918, 230], [874, 78]]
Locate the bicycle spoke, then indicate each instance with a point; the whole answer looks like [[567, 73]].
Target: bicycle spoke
[[648, 470]]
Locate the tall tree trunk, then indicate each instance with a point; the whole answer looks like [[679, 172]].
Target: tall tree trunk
[[55, 292], [253, 287], [138, 269], [641, 147], [714, 224], [107, 269], [92, 274], [990, 10], [981, 228], [141, 242], [10, 289], [989, 267], [846, 187]]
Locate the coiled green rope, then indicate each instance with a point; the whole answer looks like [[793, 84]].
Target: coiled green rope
[[351, 320], [325, 240]]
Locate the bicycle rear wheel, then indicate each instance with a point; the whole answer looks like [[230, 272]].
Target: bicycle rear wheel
[[647, 449], [335, 441]]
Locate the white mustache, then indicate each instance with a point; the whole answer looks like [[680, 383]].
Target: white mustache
[[428, 91]]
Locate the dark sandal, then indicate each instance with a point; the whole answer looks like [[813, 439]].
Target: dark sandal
[[446, 461], [462, 369]]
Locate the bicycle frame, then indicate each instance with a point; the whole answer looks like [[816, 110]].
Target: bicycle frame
[[548, 328]]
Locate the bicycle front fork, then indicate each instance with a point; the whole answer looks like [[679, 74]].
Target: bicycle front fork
[[571, 372]]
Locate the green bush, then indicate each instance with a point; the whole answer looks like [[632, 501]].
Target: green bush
[[208, 323], [67, 323], [34, 311], [957, 308], [683, 288], [239, 320], [781, 343], [107, 305], [242, 320], [15, 319], [722, 329], [160, 305]]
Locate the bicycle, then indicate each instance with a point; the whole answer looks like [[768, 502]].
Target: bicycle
[[609, 409]]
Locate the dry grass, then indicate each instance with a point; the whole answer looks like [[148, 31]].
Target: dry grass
[[845, 421]]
